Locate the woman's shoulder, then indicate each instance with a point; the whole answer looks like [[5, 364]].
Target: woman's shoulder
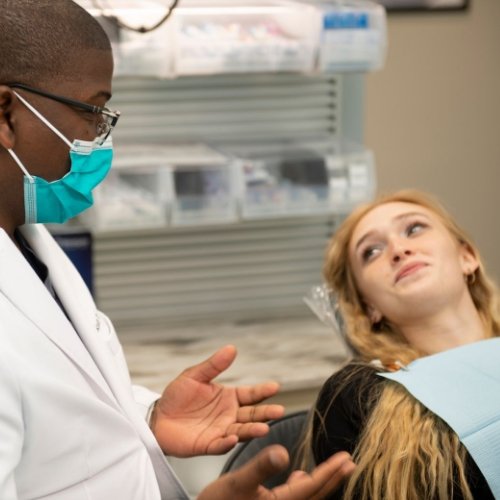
[[354, 376], [350, 392], [342, 408]]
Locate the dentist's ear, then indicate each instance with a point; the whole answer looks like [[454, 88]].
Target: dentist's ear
[[7, 136]]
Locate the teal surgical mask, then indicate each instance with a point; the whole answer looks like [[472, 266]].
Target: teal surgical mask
[[60, 200]]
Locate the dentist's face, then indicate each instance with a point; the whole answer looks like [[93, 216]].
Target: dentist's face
[[41, 150], [404, 259]]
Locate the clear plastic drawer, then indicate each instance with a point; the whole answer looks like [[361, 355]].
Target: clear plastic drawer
[[135, 193], [139, 54], [303, 179], [229, 37], [203, 194]]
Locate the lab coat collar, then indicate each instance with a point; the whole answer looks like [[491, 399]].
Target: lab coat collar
[[78, 304]]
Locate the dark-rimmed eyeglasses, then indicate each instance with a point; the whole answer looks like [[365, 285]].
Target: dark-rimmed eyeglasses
[[107, 117]]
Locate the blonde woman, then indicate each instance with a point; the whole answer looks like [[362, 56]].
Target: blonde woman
[[409, 283]]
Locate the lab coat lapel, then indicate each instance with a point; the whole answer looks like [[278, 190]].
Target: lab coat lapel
[[73, 294], [19, 282]]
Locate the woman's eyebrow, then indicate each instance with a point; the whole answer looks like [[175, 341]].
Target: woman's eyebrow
[[398, 217], [410, 214], [363, 238]]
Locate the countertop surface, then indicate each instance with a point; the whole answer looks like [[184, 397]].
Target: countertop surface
[[298, 353]]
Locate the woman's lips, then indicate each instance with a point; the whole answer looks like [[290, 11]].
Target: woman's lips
[[409, 269]]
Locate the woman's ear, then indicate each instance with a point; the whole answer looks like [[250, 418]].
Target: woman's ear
[[468, 260], [7, 136], [374, 314]]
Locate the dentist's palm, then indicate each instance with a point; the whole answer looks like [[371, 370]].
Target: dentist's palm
[[196, 416]]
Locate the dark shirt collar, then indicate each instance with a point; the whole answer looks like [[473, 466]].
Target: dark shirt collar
[[38, 266]]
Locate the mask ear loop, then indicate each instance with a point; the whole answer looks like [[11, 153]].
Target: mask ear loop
[[21, 166], [29, 191], [43, 119]]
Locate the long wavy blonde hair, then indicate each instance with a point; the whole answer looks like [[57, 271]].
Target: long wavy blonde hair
[[421, 457]]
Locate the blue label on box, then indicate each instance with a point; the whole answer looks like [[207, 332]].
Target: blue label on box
[[345, 20]]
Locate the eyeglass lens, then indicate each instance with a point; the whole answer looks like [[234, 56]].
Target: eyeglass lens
[[104, 127]]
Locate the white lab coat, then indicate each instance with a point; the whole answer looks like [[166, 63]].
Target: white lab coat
[[71, 425]]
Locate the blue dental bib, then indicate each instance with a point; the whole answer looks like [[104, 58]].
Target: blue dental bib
[[462, 386]]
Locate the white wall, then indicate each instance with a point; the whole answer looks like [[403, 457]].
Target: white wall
[[433, 112]]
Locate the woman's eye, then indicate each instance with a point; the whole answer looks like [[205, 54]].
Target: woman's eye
[[370, 253], [415, 227]]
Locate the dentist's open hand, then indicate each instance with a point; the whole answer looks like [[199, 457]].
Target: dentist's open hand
[[246, 482], [196, 416]]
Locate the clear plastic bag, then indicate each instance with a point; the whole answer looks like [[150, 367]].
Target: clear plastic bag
[[321, 300]]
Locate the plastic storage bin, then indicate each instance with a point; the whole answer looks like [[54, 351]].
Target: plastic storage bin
[[203, 185], [232, 36], [353, 36], [303, 179], [135, 193], [352, 177], [139, 54]]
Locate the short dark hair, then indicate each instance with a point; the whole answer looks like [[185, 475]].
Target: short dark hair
[[40, 40]]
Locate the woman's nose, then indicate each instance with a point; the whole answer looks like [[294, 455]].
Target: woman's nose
[[400, 251]]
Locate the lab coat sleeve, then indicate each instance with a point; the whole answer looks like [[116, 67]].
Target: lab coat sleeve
[[11, 431], [144, 399]]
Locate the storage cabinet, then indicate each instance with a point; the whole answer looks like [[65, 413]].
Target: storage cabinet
[[243, 233]]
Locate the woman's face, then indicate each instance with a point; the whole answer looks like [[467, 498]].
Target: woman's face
[[405, 262]]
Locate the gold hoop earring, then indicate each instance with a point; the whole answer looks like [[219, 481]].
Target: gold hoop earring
[[470, 279]]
